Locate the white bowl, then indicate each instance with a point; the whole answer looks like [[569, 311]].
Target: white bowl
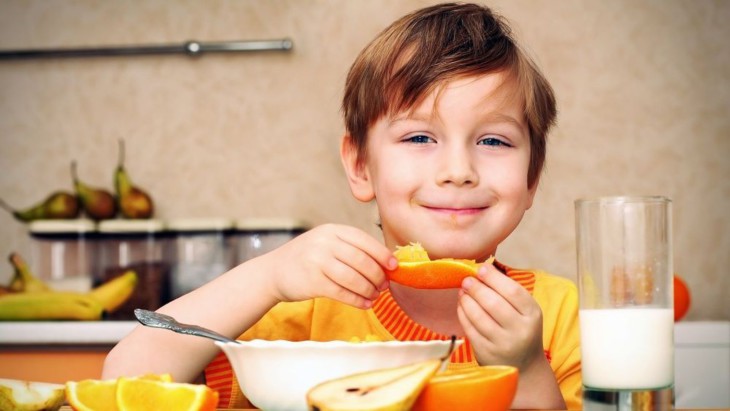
[[276, 375]]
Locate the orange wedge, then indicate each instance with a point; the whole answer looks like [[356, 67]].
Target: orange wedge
[[94, 395], [136, 394], [488, 388], [417, 270]]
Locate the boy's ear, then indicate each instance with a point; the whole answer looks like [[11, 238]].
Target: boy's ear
[[357, 174]]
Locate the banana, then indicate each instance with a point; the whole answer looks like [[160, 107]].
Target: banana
[[49, 305], [24, 280], [115, 292]]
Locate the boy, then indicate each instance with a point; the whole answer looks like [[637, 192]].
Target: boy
[[446, 121]]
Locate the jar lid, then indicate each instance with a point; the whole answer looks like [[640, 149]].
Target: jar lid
[[271, 224], [131, 226], [199, 224], [61, 226]]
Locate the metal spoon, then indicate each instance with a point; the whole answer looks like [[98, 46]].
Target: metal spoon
[[157, 320]]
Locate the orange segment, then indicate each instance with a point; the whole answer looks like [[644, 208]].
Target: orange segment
[[488, 388], [148, 395], [94, 395], [416, 269]]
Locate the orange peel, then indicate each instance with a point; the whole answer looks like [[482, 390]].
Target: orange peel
[[415, 269], [489, 388]]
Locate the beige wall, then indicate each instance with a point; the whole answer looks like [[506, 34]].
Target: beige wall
[[642, 87]]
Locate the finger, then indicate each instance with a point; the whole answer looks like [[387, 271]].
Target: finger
[[490, 301], [362, 263], [510, 290], [374, 248], [337, 292], [345, 276], [478, 318]]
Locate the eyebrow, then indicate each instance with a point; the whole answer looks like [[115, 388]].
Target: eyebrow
[[491, 117]]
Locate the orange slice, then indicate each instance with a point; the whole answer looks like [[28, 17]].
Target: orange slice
[[94, 395], [417, 270], [135, 394], [488, 388]]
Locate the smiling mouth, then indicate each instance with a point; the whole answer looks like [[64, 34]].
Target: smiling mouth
[[456, 211]]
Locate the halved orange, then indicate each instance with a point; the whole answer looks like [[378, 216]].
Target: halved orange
[[488, 388], [415, 269], [134, 394], [95, 395]]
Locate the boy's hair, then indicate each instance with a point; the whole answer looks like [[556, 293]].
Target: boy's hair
[[425, 49]]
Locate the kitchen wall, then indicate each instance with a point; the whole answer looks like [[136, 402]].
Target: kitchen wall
[[643, 91]]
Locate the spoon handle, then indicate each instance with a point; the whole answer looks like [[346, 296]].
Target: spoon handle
[[158, 320]]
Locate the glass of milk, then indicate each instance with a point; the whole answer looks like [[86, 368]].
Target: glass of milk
[[624, 247]]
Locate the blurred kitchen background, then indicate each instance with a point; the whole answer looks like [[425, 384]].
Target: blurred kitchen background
[[644, 108]]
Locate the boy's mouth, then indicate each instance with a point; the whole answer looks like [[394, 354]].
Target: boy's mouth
[[456, 211]]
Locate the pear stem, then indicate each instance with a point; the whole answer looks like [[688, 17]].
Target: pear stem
[[74, 175], [121, 152]]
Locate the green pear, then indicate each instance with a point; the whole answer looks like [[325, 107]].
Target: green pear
[[58, 205], [20, 395], [390, 389], [97, 203], [133, 202]]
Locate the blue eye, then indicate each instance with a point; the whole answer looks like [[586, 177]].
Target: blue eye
[[419, 139], [494, 142]]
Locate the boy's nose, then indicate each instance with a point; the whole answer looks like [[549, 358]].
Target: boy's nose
[[457, 167]]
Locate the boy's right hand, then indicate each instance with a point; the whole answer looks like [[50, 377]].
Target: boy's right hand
[[335, 261]]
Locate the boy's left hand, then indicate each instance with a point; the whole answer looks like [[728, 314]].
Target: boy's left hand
[[501, 320]]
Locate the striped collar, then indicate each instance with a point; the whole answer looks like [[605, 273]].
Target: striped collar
[[403, 328]]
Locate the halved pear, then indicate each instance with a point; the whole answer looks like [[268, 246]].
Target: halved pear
[[19, 395], [389, 389]]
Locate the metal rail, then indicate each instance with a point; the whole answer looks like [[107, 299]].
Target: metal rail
[[191, 48]]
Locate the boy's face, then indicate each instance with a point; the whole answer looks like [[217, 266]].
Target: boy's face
[[451, 174]]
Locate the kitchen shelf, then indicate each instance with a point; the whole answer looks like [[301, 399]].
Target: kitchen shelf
[[29, 333], [191, 48]]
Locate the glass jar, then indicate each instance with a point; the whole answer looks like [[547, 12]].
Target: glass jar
[[256, 236], [137, 245], [201, 250], [61, 253]]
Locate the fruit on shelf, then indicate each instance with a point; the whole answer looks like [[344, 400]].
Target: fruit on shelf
[[49, 305], [97, 203], [132, 201], [22, 395], [115, 292], [415, 269], [24, 280], [28, 298], [58, 205], [681, 298], [487, 388], [386, 389]]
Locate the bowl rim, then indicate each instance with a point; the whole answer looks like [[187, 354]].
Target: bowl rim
[[256, 343]]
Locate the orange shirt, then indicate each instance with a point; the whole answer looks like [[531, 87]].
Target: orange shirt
[[322, 319]]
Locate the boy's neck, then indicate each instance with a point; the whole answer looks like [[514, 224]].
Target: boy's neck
[[433, 309]]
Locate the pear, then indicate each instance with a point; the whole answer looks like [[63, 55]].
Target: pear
[[390, 389], [21, 395], [97, 203], [133, 202], [58, 205]]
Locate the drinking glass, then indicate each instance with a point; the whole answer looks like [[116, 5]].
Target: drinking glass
[[624, 247]]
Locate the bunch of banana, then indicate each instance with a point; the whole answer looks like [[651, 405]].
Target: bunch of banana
[[29, 298]]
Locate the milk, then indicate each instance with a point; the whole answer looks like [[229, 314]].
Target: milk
[[627, 348]]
